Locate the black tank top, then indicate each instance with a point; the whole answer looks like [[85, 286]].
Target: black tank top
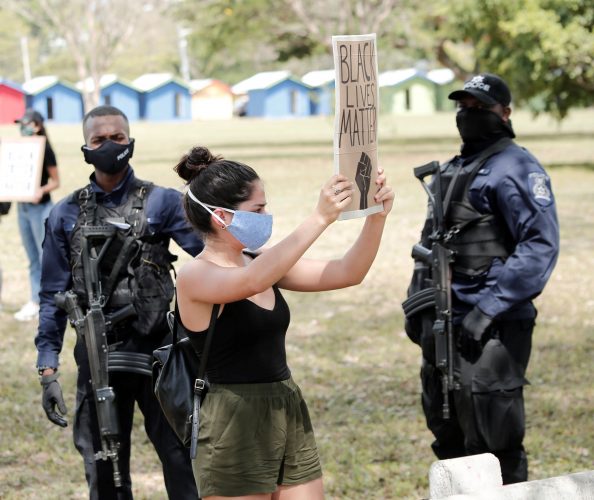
[[248, 344]]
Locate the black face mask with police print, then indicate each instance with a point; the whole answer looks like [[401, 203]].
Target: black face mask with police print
[[481, 127], [111, 157]]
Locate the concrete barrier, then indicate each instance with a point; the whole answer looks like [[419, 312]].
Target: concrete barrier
[[464, 475], [478, 477]]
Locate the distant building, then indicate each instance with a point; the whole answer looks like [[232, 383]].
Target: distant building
[[415, 91], [211, 100], [163, 97], [445, 83], [274, 94], [56, 100], [117, 92], [323, 95], [12, 101], [406, 91]]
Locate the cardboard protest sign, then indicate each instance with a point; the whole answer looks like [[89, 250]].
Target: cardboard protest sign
[[21, 161], [355, 120]]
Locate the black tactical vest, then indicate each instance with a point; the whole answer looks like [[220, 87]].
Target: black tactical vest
[[136, 266], [475, 238]]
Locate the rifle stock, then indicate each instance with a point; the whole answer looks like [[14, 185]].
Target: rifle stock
[[425, 170]]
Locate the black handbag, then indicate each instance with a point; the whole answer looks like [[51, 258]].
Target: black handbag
[[179, 380]]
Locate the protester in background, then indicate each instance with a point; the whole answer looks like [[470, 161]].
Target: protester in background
[[32, 215], [4, 208], [501, 224], [256, 438], [136, 272]]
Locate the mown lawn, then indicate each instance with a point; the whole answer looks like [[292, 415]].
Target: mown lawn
[[347, 348]]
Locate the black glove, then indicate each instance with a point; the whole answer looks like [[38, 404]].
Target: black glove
[[52, 397], [470, 340]]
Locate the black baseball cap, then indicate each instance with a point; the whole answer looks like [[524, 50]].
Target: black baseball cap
[[487, 88], [30, 115]]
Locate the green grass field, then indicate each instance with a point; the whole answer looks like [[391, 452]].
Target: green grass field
[[347, 349]]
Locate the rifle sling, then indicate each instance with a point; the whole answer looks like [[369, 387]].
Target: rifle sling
[[477, 163]]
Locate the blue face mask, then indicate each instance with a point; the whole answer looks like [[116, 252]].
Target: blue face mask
[[250, 228], [27, 130]]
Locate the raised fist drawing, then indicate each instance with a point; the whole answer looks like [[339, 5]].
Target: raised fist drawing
[[363, 179]]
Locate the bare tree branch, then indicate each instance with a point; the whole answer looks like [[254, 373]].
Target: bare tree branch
[[343, 17], [94, 31], [448, 62]]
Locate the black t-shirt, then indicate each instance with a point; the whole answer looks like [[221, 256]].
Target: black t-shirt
[[49, 160]]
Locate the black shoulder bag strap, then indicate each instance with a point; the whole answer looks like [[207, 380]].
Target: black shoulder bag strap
[[200, 382]]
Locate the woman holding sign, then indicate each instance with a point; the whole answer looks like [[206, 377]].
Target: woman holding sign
[[256, 440], [32, 215]]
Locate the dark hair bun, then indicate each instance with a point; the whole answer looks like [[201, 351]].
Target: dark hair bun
[[191, 164]]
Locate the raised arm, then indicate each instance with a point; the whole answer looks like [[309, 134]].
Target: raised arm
[[309, 275], [207, 282]]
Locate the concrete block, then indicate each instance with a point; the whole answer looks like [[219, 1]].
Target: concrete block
[[577, 486], [464, 475]]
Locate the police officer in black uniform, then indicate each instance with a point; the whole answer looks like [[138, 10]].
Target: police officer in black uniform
[[502, 225], [151, 216]]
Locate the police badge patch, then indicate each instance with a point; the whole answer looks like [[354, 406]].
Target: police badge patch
[[540, 187]]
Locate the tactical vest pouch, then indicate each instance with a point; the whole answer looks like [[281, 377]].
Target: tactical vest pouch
[[136, 268], [477, 240], [152, 288]]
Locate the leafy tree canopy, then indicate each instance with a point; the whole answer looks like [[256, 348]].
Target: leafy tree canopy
[[543, 48], [232, 39]]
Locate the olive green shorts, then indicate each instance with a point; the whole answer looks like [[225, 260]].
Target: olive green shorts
[[254, 437]]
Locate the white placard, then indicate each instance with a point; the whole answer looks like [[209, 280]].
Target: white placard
[[355, 120], [21, 161]]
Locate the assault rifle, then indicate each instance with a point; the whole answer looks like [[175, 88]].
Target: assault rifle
[[439, 258], [93, 327]]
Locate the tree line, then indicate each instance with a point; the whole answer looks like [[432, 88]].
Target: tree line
[[544, 48]]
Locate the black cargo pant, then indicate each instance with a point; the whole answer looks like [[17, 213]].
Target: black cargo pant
[[487, 411], [129, 388]]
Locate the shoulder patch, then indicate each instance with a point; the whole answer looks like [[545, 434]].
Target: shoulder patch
[[540, 187]]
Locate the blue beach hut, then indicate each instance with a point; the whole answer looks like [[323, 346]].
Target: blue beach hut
[[56, 100], [163, 97], [274, 94], [117, 92], [323, 95]]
